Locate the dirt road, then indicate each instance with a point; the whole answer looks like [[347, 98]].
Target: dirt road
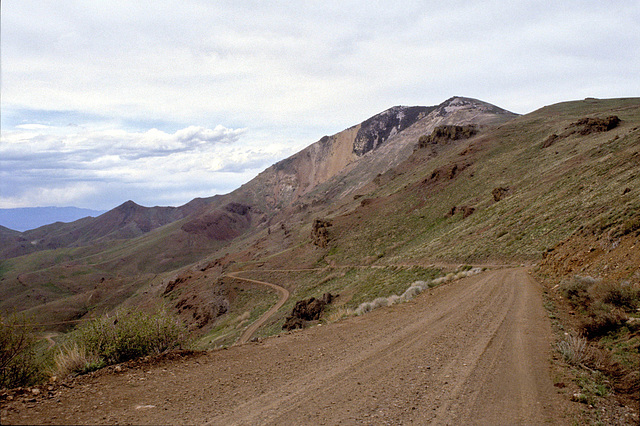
[[283, 294], [475, 351]]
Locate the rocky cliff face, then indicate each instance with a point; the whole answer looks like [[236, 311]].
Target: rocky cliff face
[[288, 180], [378, 129], [356, 155], [398, 146]]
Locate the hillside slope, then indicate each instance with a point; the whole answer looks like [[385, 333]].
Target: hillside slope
[[356, 154], [126, 221]]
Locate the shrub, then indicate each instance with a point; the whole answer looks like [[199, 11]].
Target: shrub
[[622, 296], [19, 363], [574, 349], [602, 322], [339, 314], [577, 290], [414, 289], [127, 335], [74, 359]]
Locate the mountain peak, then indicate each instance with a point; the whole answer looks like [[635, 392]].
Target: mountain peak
[[128, 206], [459, 103]]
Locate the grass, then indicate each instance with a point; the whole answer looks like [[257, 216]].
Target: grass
[[355, 285], [593, 385], [605, 306], [73, 358], [605, 355], [575, 349], [553, 194], [413, 290], [248, 305], [576, 184]]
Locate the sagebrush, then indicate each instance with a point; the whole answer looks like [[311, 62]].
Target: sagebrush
[[124, 336], [19, 361], [605, 306], [575, 349]]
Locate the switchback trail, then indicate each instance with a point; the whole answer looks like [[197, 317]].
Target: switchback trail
[[284, 296], [474, 351]]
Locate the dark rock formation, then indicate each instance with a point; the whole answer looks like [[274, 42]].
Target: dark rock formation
[[237, 208], [307, 310], [376, 130], [594, 125], [551, 140], [447, 172], [466, 211], [320, 232], [500, 192], [584, 126], [447, 133]]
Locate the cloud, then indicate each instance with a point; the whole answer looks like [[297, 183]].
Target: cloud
[[44, 165], [273, 63]]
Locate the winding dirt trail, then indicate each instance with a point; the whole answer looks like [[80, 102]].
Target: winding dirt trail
[[474, 351], [284, 296]]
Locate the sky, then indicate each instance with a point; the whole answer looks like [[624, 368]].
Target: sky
[[161, 102]]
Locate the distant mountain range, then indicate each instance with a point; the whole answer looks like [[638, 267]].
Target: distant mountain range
[[23, 219]]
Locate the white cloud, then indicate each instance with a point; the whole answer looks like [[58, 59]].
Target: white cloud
[[39, 196], [60, 166]]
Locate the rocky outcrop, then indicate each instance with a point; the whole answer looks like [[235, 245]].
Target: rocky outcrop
[[584, 126], [500, 192], [444, 134], [553, 138], [448, 172], [320, 232], [465, 210], [594, 125], [307, 310]]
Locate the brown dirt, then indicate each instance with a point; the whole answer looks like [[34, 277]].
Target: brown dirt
[[473, 351]]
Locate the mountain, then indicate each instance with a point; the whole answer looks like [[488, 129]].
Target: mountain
[[23, 219], [126, 221], [356, 154], [361, 152], [461, 182]]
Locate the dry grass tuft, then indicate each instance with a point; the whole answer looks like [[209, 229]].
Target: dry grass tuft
[[339, 314], [575, 350], [75, 359], [414, 289]]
